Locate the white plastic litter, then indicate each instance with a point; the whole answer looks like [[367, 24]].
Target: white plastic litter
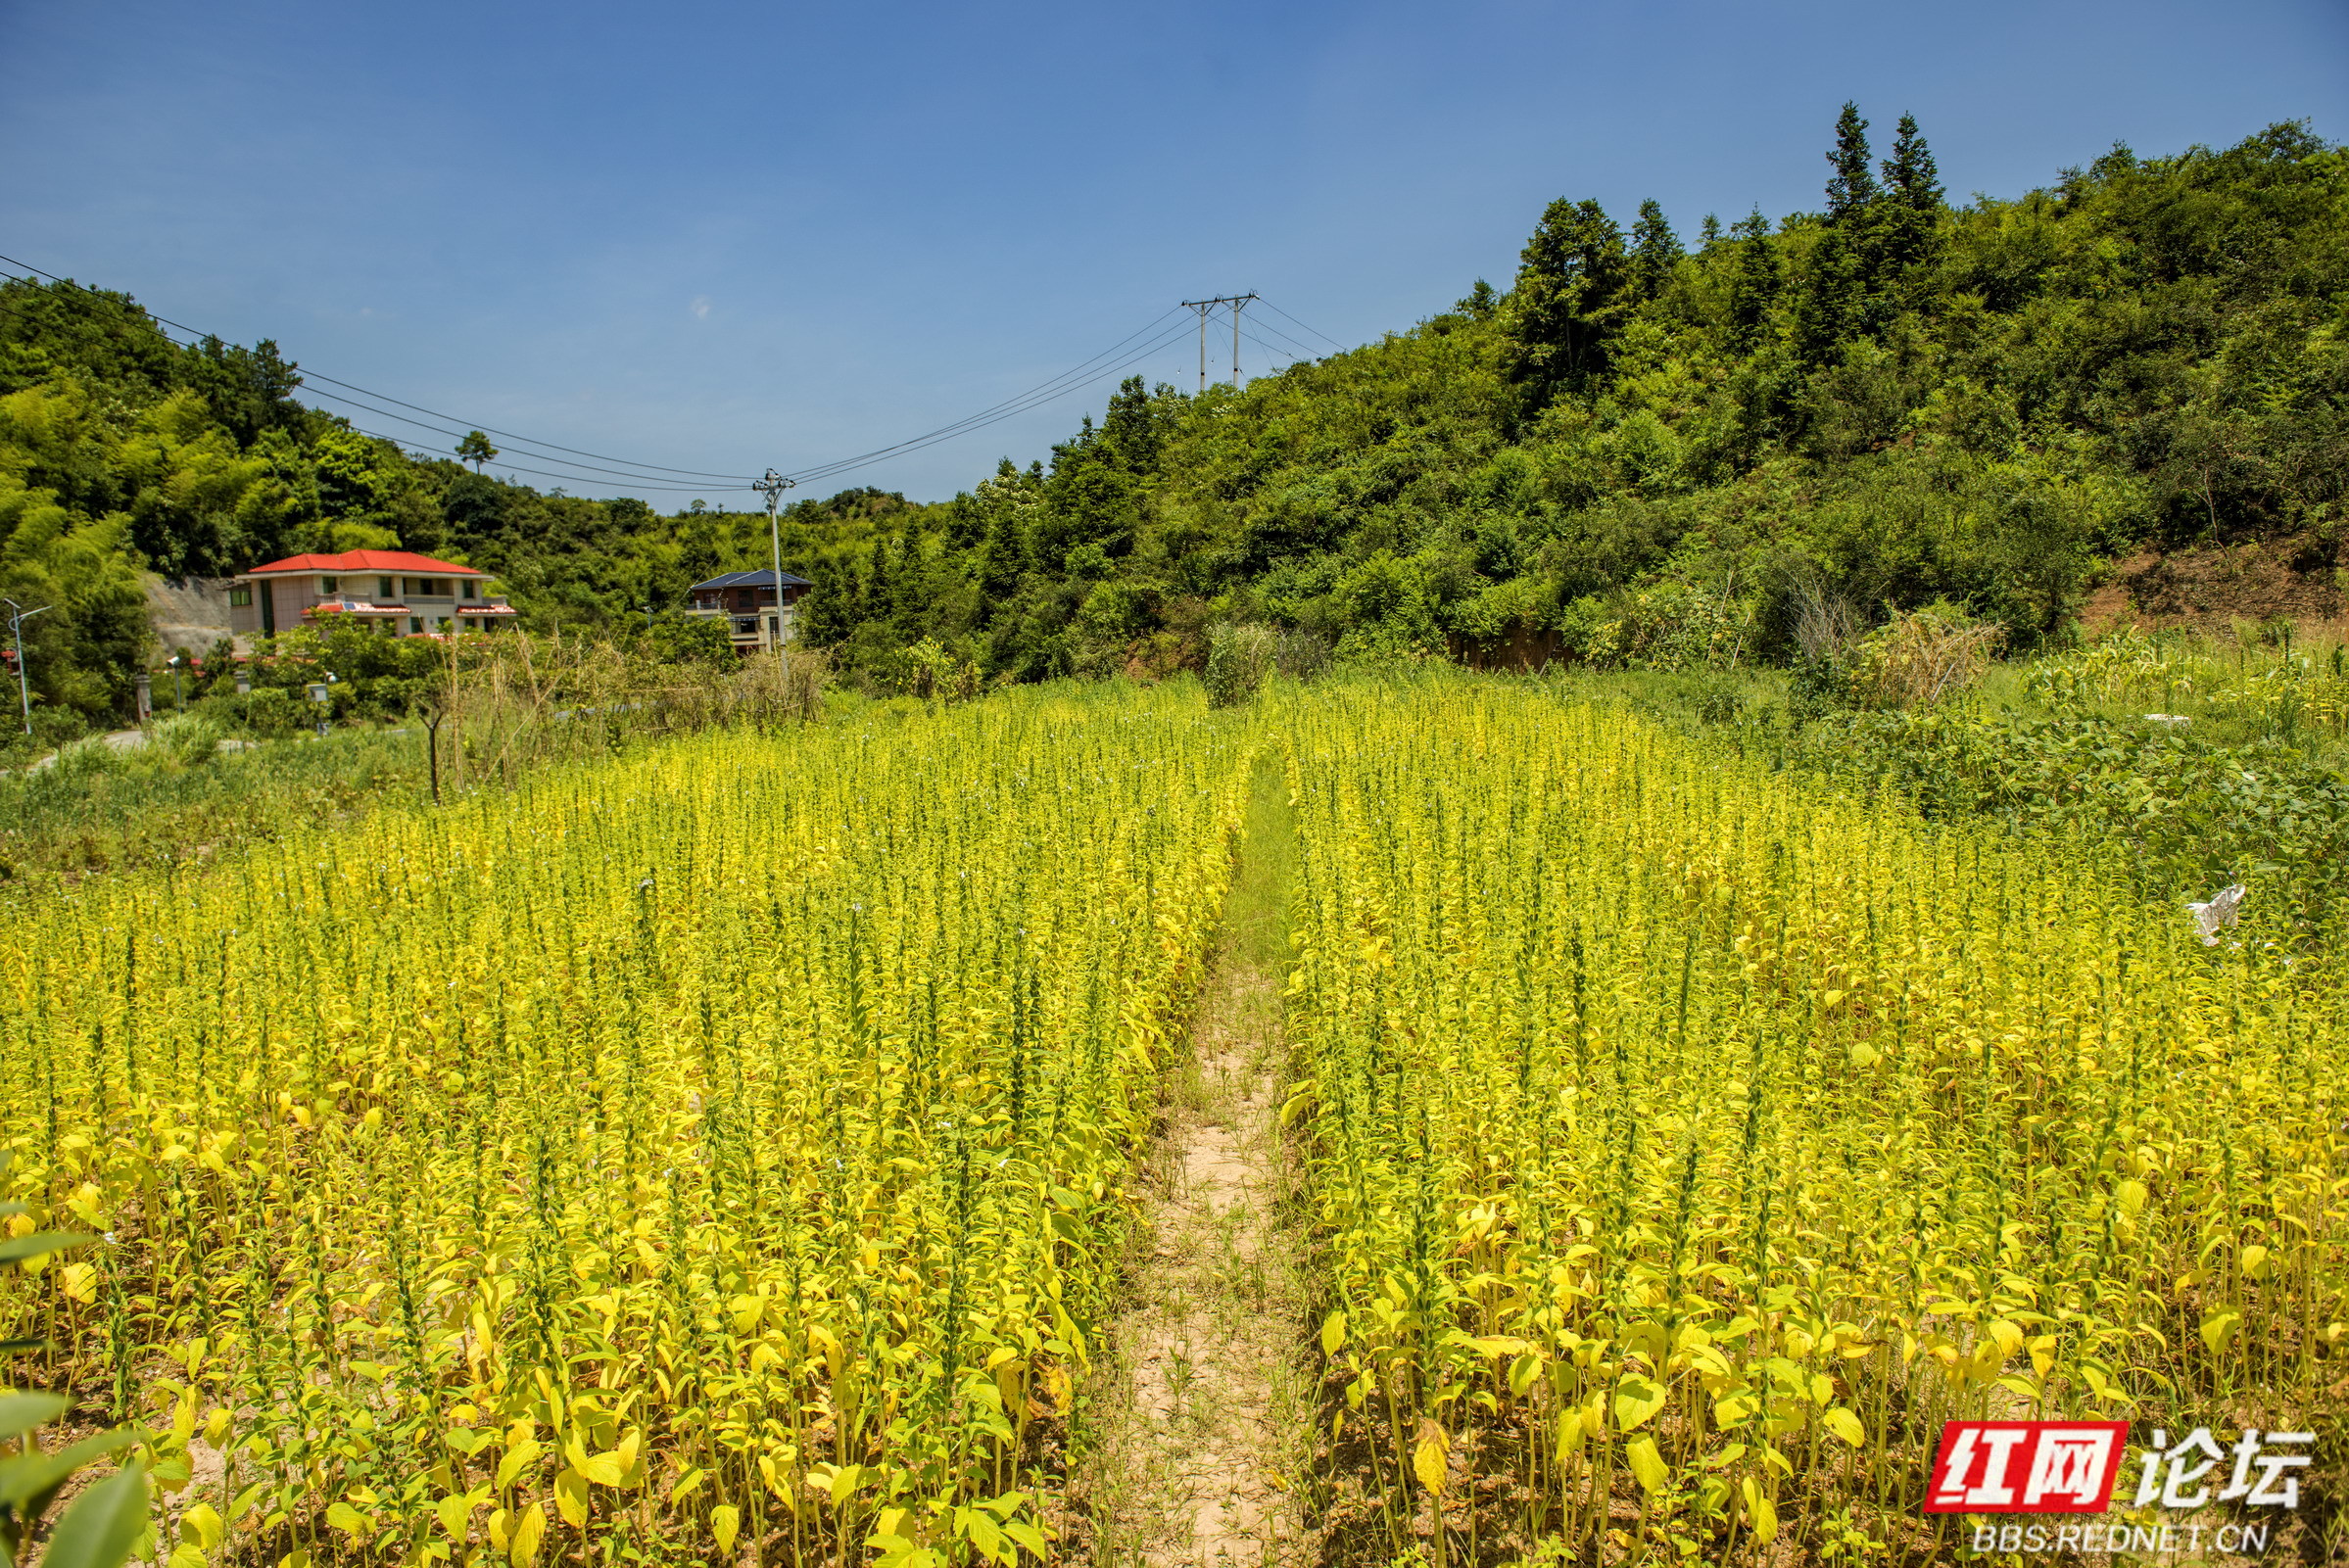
[[2171, 718], [2211, 918]]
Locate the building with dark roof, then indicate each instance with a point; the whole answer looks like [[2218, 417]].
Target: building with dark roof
[[758, 617]]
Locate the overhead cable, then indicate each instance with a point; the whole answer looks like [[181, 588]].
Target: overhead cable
[[313, 375], [1293, 321], [1043, 391], [1001, 411]]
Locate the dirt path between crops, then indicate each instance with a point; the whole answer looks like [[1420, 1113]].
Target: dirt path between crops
[[1202, 1402]]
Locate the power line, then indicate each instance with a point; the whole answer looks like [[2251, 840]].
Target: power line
[[975, 422], [587, 468], [1311, 352], [1292, 320], [652, 476], [1284, 354], [543, 473], [585, 475], [1043, 391], [311, 375]]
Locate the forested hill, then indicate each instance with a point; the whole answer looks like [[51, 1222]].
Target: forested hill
[[1648, 442], [1642, 444]]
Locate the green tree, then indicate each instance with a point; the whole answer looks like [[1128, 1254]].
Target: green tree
[[476, 449], [1754, 282], [1851, 191], [1912, 212], [1654, 251], [1568, 300], [1841, 285]]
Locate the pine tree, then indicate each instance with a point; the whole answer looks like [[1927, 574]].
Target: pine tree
[[1853, 189], [1132, 429], [1654, 249], [1753, 284], [1567, 302], [1913, 200], [1843, 293], [1006, 499], [1709, 235]]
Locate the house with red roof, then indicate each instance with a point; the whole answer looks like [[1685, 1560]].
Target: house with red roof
[[396, 591]]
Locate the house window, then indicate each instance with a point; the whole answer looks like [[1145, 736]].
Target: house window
[[441, 625], [470, 589], [329, 585], [415, 623], [241, 596], [383, 587]]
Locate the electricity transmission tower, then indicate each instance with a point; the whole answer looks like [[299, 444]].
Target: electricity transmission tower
[[1238, 303]]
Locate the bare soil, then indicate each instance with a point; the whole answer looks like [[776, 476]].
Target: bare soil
[[1203, 1400], [2210, 587]]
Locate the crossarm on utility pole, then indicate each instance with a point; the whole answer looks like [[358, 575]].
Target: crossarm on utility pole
[[772, 487], [18, 615]]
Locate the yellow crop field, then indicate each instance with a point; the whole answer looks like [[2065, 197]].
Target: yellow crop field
[[1691, 1144], [734, 1153], [718, 1152]]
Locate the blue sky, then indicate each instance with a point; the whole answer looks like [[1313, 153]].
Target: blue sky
[[717, 236]]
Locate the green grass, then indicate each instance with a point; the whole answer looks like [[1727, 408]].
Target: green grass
[[1256, 912], [97, 810]]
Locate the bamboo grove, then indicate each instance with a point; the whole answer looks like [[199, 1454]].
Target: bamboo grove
[[1690, 1143], [714, 1155]]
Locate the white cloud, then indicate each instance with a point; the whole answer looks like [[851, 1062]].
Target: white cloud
[[701, 305]]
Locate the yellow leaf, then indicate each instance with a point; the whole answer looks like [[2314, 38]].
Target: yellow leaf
[[1570, 1436], [528, 1530], [500, 1528], [2131, 1197], [79, 1281], [2008, 1337], [200, 1526], [517, 1459], [1843, 1424], [1333, 1332], [2219, 1327], [724, 1520], [1646, 1465], [1864, 1056], [1499, 1345], [349, 1520], [1761, 1516], [604, 1469], [1427, 1462], [1636, 1399], [571, 1498], [453, 1511]]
